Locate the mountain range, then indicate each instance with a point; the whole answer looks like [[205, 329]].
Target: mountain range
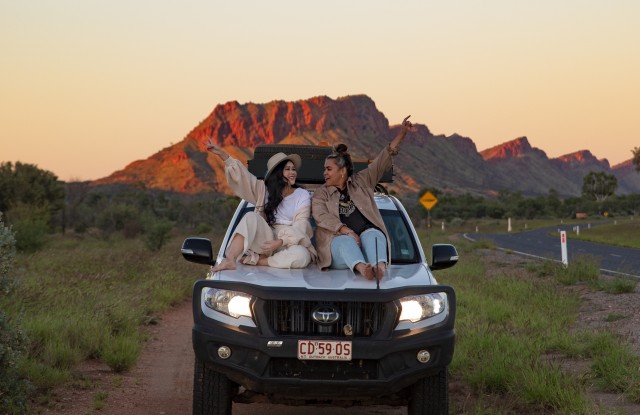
[[449, 163]]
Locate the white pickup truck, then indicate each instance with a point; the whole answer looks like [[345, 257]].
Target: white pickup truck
[[312, 337]]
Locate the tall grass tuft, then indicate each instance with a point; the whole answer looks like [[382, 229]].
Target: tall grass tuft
[[617, 285], [121, 352], [581, 268]]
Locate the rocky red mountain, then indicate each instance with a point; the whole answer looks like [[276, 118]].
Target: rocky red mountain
[[451, 163]]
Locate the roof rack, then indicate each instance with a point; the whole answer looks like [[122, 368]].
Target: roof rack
[[313, 156]]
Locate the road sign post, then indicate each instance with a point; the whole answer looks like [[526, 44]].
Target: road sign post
[[428, 200]]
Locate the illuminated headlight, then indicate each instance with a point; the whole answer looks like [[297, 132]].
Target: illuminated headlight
[[232, 303], [419, 307]]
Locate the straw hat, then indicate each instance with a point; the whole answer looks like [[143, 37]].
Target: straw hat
[[279, 158]]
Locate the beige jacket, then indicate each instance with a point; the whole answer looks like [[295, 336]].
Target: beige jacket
[[324, 205], [247, 186]]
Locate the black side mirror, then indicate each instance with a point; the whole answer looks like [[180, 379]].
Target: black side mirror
[[198, 250], [443, 256]]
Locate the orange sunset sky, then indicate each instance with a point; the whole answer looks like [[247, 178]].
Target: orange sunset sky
[[88, 86]]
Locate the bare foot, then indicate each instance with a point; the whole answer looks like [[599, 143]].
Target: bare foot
[[226, 263], [380, 270], [366, 270]]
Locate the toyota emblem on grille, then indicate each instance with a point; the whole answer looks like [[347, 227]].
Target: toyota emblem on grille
[[325, 315]]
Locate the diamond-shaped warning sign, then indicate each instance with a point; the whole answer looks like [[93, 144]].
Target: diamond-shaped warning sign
[[428, 200]]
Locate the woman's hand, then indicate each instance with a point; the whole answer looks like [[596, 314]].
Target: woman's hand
[[407, 125], [271, 246], [344, 230], [216, 149]]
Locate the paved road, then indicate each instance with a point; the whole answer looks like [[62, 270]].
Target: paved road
[[541, 243]]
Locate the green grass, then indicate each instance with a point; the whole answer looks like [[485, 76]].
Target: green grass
[[88, 299], [513, 334], [99, 400], [622, 232], [617, 285]]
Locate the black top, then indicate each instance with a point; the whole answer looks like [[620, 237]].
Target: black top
[[350, 215]]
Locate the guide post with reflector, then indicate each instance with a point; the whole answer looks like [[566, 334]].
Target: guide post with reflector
[[563, 248]]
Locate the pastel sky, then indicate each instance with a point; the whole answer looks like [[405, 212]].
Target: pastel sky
[[88, 86]]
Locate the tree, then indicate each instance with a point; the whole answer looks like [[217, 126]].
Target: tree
[[27, 184], [599, 185], [553, 203], [636, 158]]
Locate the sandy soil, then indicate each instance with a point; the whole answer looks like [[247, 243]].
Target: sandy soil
[[161, 382]]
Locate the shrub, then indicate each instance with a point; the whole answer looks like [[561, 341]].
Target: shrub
[[14, 389], [7, 255], [157, 233], [132, 229], [203, 229], [31, 226]]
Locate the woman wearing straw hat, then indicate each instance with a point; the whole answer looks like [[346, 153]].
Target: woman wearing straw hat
[[278, 232]]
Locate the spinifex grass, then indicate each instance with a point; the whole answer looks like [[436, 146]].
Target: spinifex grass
[[82, 299], [511, 326]]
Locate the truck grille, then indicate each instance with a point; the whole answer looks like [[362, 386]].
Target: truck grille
[[295, 318]]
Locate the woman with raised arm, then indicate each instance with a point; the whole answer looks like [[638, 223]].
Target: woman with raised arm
[[350, 232], [277, 233]]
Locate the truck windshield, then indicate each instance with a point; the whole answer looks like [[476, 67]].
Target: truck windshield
[[403, 246]]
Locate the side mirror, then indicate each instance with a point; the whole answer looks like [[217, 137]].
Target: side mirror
[[198, 250], [443, 256]]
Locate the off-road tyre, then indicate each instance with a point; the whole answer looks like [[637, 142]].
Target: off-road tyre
[[212, 391], [430, 396]]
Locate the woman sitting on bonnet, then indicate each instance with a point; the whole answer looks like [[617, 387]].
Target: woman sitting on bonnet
[[350, 232], [278, 232]]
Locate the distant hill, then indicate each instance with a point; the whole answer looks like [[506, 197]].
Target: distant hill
[[450, 163]]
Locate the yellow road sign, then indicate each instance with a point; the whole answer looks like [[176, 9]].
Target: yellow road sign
[[428, 200]]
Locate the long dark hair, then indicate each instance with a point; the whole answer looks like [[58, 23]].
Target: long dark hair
[[342, 158], [275, 185]]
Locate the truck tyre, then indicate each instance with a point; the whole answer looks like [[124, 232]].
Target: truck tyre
[[212, 391], [430, 396]]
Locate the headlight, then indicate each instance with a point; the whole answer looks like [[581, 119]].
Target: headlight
[[420, 307], [232, 303]]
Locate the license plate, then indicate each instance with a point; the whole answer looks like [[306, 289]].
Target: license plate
[[324, 350]]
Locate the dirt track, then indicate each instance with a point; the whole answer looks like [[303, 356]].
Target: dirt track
[[162, 381]]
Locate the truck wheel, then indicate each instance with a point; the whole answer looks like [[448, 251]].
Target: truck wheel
[[212, 391], [430, 396]]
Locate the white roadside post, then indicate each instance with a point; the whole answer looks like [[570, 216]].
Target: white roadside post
[[563, 248], [509, 225]]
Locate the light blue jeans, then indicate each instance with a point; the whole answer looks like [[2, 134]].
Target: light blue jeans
[[345, 252]]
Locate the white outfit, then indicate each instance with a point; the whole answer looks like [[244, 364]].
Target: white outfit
[[290, 205], [292, 220]]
